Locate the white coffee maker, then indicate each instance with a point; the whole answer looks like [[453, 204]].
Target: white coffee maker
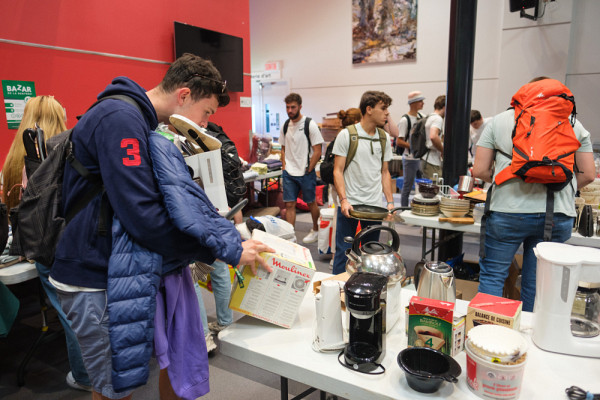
[[560, 268]]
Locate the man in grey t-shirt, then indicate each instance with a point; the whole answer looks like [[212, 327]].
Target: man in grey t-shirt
[[367, 174]]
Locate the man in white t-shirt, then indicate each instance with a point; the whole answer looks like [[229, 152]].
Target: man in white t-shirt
[[367, 175], [518, 209], [431, 163], [300, 153], [478, 124], [411, 166]]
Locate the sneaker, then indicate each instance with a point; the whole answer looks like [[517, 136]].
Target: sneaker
[[312, 237], [215, 327], [331, 264], [211, 346], [71, 382]]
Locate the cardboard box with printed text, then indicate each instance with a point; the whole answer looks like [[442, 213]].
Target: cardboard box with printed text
[[275, 297], [434, 323], [488, 309]]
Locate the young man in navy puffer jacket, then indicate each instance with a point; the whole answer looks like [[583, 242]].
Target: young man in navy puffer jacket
[[111, 139]]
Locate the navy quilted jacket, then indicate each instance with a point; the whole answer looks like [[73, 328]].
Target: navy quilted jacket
[[134, 272]]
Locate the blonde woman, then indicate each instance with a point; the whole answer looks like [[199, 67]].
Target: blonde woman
[[49, 115]]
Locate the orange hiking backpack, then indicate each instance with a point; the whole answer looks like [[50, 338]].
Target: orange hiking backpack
[[544, 143]]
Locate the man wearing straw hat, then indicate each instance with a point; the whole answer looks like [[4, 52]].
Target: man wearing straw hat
[[411, 166]]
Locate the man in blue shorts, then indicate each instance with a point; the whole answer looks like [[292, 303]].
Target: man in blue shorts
[[300, 153]]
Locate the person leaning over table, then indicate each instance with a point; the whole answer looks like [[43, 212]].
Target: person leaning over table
[[366, 176], [518, 209], [49, 115], [129, 293]]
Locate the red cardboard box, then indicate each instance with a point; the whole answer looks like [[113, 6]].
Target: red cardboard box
[[488, 309]]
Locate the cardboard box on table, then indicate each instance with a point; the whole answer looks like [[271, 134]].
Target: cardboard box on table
[[434, 323], [488, 309], [275, 297], [209, 168]]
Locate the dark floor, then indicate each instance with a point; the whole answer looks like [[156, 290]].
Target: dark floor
[[229, 379]]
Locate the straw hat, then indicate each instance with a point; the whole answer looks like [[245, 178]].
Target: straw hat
[[415, 96]]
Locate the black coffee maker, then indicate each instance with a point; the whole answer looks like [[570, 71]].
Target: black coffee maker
[[365, 300]]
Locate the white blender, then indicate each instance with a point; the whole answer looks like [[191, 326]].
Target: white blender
[[560, 268]]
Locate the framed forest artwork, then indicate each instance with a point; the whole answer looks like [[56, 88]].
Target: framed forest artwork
[[384, 31]]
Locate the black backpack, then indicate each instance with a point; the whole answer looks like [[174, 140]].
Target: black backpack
[[235, 186], [418, 139], [326, 169], [399, 150], [306, 132], [37, 222]]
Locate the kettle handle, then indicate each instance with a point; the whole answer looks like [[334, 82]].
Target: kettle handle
[[371, 229]]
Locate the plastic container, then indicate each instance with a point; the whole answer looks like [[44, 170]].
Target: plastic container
[[496, 358]]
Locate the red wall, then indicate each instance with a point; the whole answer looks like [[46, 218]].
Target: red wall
[[141, 29]]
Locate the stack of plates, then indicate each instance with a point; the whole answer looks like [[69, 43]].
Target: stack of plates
[[454, 208], [425, 207]]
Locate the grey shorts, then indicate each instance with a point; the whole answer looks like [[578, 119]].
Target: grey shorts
[[88, 314]]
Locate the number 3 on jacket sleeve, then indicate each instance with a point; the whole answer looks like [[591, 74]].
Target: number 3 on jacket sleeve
[[133, 152]]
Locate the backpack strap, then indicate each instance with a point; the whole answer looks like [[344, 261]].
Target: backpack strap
[[285, 126], [354, 143], [486, 215], [382, 141], [96, 180], [307, 133]]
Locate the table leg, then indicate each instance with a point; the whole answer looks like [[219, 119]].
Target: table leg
[[284, 388], [433, 246], [43, 336], [284, 391], [424, 244]]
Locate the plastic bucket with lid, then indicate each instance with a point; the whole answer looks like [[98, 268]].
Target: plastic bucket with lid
[[494, 376]]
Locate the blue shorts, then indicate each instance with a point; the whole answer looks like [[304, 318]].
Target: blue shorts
[[292, 185], [88, 314]]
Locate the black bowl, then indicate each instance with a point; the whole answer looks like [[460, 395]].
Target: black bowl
[[428, 190], [425, 368]]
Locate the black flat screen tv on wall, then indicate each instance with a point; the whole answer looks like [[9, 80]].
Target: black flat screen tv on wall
[[225, 51]]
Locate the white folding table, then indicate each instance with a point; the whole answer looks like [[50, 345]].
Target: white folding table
[[289, 354]]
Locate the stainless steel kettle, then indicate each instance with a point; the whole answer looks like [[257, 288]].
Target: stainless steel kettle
[[376, 257], [436, 281]]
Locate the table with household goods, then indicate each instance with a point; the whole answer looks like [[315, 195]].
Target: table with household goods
[[289, 354], [263, 183], [433, 223]]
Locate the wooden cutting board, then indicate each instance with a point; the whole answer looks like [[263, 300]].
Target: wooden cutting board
[[478, 195], [461, 220]]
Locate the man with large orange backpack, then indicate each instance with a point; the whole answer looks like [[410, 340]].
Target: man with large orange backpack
[[537, 155]]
